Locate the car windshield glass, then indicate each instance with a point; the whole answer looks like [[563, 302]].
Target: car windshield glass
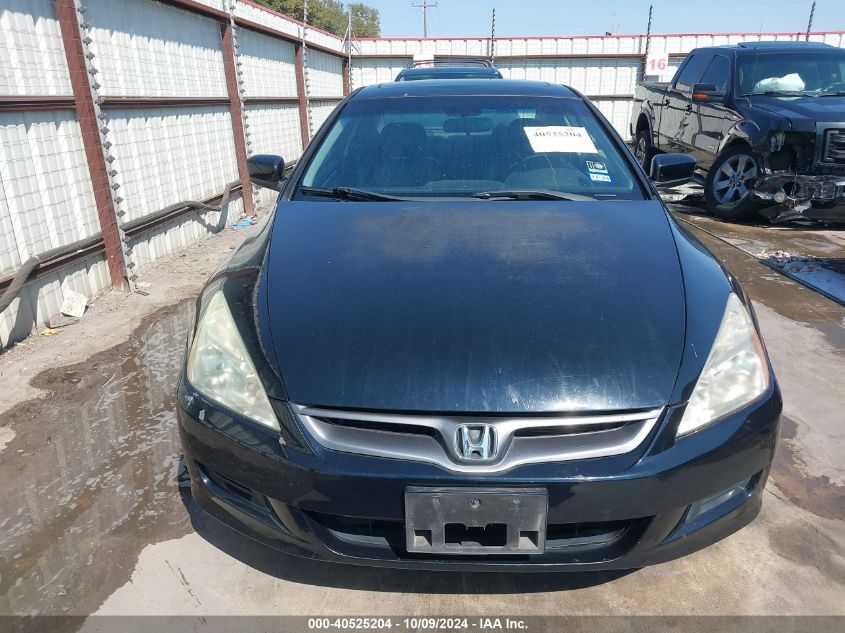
[[815, 72], [446, 146]]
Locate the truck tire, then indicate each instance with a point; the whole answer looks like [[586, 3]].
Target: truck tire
[[643, 150], [729, 182]]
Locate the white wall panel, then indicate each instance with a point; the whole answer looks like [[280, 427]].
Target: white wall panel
[[46, 199], [365, 72], [220, 5], [32, 56], [41, 299], [325, 74], [268, 65], [274, 129], [148, 49], [166, 155], [261, 15], [618, 112], [173, 237], [590, 76], [320, 112]]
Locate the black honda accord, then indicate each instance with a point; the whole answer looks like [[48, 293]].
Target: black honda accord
[[470, 336]]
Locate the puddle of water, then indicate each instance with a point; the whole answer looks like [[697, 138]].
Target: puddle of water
[[92, 473], [811, 255]]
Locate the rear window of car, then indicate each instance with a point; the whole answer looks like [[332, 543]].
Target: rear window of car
[[462, 145]]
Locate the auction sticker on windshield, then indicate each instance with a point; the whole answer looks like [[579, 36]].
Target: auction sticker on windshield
[[560, 138]]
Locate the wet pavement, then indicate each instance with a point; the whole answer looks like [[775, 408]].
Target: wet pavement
[[807, 252], [95, 515]]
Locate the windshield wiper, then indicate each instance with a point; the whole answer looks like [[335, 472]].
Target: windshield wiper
[[348, 193], [529, 194]]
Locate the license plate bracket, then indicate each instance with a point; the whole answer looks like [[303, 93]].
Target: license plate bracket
[[475, 521]]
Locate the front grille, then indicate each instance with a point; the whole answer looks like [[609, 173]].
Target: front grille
[[834, 147], [514, 440]]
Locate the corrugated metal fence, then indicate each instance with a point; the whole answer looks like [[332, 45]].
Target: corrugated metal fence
[[114, 112]]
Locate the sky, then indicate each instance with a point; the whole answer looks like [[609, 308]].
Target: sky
[[471, 18]]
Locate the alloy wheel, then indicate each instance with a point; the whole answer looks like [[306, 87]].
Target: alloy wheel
[[640, 151], [734, 179]]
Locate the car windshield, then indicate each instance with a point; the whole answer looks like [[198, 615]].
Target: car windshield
[[817, 73], [469, 145]]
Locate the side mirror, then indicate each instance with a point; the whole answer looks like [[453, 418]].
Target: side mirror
[[266, 170], [671, 170], [707, 93]]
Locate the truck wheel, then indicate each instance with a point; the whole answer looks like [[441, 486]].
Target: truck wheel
[[729, 182], [643, 150]]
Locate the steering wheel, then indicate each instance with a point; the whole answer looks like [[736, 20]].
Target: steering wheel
[[546, 158]]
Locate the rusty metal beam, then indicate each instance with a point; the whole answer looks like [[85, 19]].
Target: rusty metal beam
[[237, 113], [26, 103], [347, 83], [162, 102], [271, 100], [89, 127], [300, 91]]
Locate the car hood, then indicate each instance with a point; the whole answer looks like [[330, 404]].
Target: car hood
[[803, 110], [475, 306]]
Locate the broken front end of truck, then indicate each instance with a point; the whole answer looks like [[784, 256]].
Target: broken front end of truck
[[803, 174]]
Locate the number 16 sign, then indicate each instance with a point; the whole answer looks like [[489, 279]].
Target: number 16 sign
[[658, 64]]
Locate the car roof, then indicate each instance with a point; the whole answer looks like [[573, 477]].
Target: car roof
[[771, 46], [465, 87], [478, 71]]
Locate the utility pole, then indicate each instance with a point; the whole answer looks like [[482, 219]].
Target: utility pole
[[425, 6], [810, 23]]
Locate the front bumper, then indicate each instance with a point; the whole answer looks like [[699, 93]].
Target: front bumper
[[608, 513], [812, 196]]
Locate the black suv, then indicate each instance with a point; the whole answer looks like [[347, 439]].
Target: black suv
[[765, 120]]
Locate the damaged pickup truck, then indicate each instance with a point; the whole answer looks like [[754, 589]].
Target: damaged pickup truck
[[764, 120]]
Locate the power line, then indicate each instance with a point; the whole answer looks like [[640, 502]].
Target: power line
[[425, 6]]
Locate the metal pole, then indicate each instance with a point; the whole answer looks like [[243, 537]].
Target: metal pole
[[647, 42], [492, 50], [810, 23], [305, 83]]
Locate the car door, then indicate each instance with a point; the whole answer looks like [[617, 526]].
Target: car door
[[677, 106], [708, 117]]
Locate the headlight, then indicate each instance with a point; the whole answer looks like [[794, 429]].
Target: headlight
[[220, 367], [735, 373]]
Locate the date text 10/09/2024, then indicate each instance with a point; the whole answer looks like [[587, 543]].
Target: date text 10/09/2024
[[418, 624]]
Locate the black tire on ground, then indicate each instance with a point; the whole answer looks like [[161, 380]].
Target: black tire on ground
[[727, 188], [643, 149]]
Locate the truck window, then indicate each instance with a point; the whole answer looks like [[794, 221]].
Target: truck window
[[692, 71], [717, 73]]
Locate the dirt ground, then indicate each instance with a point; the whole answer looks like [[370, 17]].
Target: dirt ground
[[96, 516]]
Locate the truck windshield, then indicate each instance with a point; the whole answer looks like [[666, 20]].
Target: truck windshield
[[447, 146], [816, 73]]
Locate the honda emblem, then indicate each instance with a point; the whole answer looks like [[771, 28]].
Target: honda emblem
[[476, 442]]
